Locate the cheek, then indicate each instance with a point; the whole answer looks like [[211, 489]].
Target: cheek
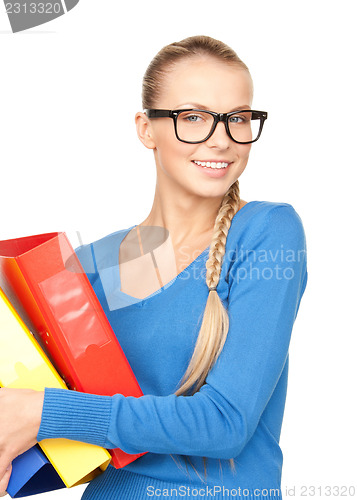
[[244, 150], [171, 152]]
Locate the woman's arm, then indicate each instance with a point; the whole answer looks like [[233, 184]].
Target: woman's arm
[[267, 280]]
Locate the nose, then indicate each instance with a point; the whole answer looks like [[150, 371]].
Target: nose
[[219, 138]]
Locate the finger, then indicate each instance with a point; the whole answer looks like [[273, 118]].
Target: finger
[[5, 481]]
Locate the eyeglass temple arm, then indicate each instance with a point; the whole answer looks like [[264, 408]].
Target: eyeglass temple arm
[[157, 113]]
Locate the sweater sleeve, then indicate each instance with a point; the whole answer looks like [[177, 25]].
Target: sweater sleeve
[[266, 282]]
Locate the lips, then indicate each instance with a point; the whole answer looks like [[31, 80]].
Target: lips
[[212, 164], [216, 171]]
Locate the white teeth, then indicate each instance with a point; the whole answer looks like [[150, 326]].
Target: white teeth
[[211, 164]]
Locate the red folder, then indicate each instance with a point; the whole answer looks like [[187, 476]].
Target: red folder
[[45, 275]]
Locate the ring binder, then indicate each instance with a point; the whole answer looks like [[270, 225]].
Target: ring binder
[[46, 276]]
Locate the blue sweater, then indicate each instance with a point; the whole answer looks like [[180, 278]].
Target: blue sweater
[[238, 412]]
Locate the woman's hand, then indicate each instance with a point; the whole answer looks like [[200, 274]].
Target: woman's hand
[[20, 419]]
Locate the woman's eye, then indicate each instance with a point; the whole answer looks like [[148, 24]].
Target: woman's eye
[[236, 119], [193, 118]]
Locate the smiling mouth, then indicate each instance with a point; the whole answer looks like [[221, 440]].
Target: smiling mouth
[[212, 164]]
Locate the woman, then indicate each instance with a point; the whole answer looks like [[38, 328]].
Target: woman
[[206, 324]]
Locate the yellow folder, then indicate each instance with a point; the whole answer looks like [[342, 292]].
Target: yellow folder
[[23, 364]]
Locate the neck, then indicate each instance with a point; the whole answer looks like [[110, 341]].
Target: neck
[[184, 219]]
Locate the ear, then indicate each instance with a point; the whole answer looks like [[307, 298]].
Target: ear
[[144, 130]]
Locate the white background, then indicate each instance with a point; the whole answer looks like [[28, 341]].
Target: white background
[[71, 161]]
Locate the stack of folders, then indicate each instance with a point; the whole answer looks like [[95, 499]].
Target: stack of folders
[[64, 463], [51, 292]]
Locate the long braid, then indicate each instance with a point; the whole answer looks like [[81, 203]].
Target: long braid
[[215, 322]]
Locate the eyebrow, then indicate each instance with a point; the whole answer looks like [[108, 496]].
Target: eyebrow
[[202, 106]]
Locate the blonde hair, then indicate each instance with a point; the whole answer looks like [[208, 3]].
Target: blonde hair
[[215, 322]]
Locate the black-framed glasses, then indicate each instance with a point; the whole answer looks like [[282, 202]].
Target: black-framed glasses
[[197, 125]]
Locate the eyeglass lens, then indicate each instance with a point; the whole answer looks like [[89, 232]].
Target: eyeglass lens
[[196, 125]]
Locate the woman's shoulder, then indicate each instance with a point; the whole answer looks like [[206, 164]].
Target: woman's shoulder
[[260, 208], [260, 217]]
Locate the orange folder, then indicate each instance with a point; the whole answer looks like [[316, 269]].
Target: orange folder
[[46, 276]]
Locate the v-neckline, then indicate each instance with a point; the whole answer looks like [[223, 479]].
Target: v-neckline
[[178, 276], [168, 283]]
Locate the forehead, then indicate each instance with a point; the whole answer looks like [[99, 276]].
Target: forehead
[[215, 84]]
